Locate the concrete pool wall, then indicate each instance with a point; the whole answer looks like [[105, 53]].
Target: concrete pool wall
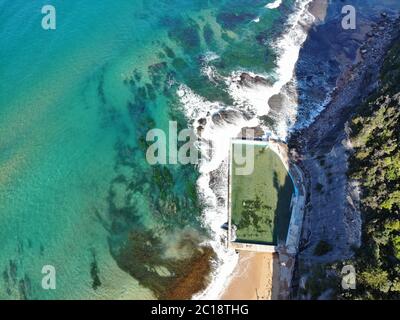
[[296, 207]]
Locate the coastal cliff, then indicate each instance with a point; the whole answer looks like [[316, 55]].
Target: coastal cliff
[[350, 157]]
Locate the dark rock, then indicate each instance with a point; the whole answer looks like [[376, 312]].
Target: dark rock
[[224, 116], [200, 130], [248, 80], [202, 121]]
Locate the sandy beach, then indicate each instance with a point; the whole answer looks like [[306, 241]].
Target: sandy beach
[[255, 278]]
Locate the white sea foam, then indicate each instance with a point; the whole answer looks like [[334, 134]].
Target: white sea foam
[[288, 48], [254, 97], [274, 5], [218, 130], [210, 56], [215, 139]]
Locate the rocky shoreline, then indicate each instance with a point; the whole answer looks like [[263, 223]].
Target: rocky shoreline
[[322, 149], [332, 220]]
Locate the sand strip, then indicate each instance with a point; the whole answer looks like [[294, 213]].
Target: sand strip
[[255, 278]]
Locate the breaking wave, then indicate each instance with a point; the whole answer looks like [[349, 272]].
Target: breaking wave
[[216, 124], [274, 5]]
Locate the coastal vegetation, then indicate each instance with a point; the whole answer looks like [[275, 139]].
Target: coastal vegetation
[[375, 164]]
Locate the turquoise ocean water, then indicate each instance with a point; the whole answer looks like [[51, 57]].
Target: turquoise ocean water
[[75, 105]]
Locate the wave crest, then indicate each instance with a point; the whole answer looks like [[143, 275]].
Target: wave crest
[[217, 123]]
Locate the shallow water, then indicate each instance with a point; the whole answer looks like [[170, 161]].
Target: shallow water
[[76, 103]]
